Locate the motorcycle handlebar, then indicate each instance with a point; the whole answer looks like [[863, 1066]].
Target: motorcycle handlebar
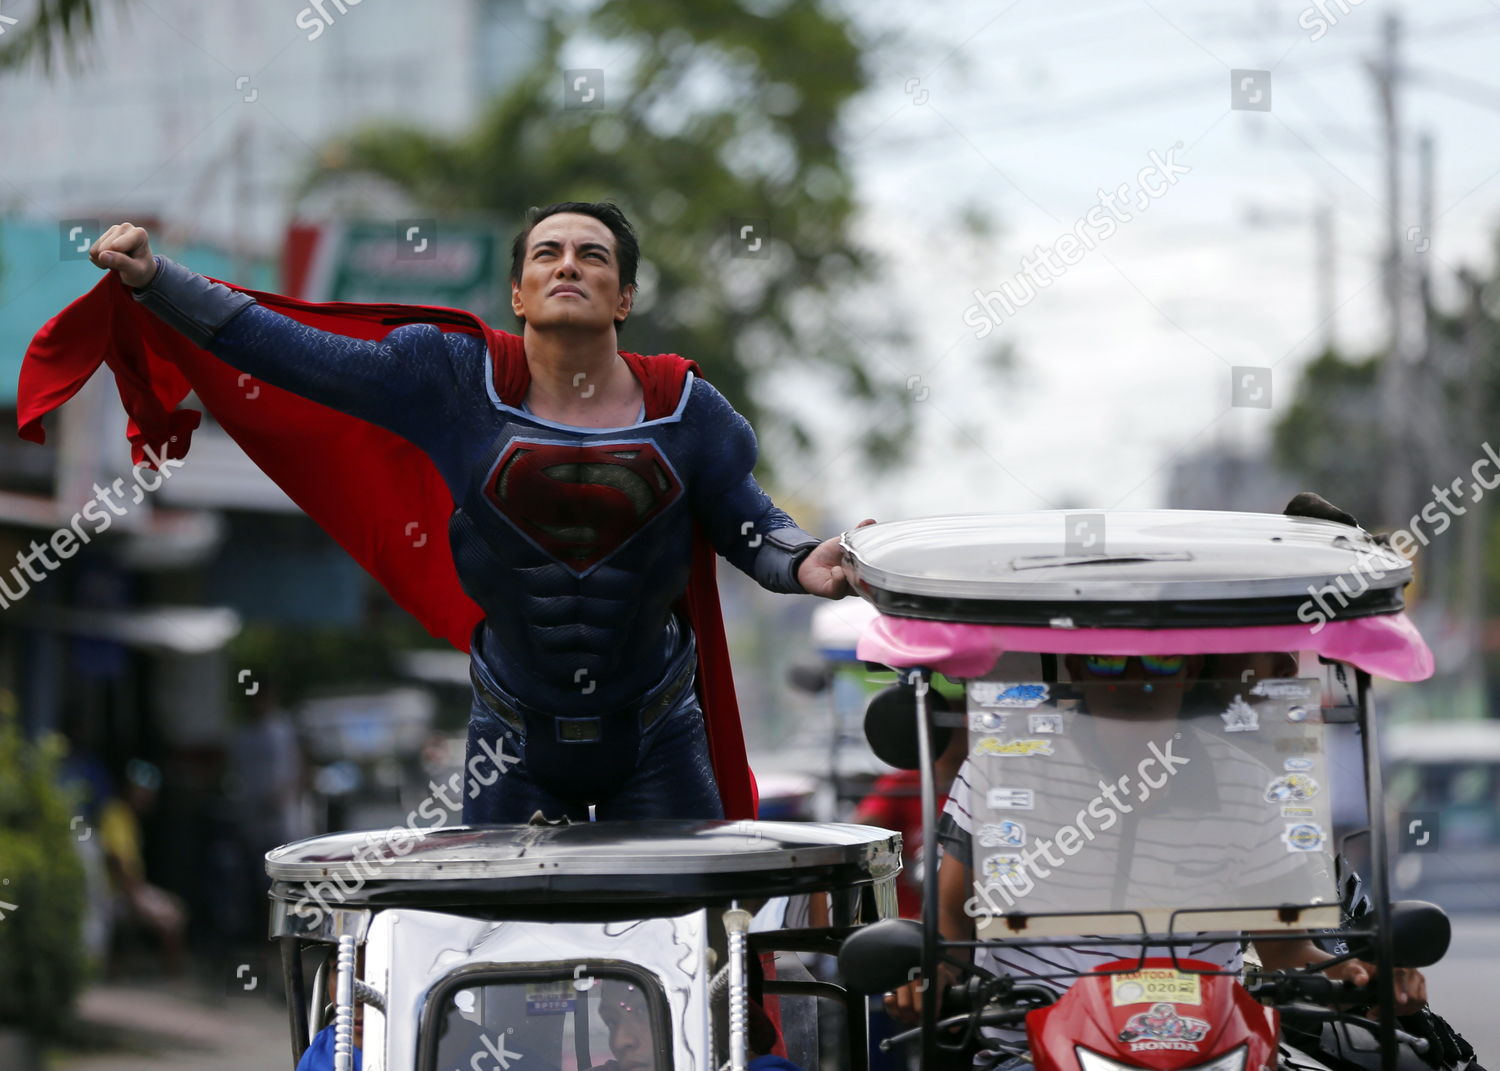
[[1319, 988], [960, 1000]]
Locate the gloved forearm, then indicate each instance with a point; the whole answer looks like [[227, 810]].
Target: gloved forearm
[[781, 552], [189, 302], [401, 382]]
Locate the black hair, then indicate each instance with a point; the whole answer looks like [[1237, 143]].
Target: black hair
[[627, 248]]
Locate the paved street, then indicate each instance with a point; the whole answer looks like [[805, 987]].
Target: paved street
[[172, 1028], [1462, 987], [166, 1030]]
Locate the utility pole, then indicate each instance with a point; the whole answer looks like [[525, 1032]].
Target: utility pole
[[1426, 218], [1391, 383], [1422, 362], [1473, 527], [1326, 243], [240, 192], [1386, 73]]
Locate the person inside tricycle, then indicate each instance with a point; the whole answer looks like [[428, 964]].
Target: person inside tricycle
[[1135, 822]]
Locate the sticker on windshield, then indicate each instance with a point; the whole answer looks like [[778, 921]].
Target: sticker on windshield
[[1291, 788], [1006, 868], [1044, 723], [1004, 694], [1162, 1028], [1241, 717], [1155, 984], [1299, 745], [1006, 834], [550, 998], [1282, 688], [986, 721], [1304, 837], [993, 745], [1299, 765], [1016, 799], [1298, 812]]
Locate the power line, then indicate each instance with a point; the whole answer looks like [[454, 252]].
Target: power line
[[1457, 86]]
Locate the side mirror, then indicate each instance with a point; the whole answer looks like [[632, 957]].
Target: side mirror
[[1421, 933], [810, 677], [882, 956], [891, 725]]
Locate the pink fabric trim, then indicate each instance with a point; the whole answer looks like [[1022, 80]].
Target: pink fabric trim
[[1387, 645]]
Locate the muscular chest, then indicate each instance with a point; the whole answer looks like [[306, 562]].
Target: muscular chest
[[578, 498]]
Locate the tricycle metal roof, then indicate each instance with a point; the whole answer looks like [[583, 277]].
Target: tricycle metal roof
[[613, 862], [1131, 568]]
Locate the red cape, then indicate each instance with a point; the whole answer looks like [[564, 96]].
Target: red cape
[[378, 495]]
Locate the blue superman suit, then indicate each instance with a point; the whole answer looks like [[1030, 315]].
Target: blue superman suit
[[575, 542]]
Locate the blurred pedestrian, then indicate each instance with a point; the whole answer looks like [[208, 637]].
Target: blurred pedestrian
[[267, 773], [138, 902]]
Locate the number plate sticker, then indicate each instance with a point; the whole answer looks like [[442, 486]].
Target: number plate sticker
[[1153, 985]]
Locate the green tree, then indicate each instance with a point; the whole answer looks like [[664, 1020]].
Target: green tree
[[54, 28], [712, 113], [41, 885], [1332, 437], [1329, 437]]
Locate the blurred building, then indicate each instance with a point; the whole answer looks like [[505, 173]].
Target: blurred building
[[196, 121], [202, 116], [1221, 476]]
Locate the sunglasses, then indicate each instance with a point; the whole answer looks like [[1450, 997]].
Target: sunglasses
[[1153, 665]]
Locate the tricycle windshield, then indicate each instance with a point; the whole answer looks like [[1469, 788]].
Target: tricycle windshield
[[534, 1021], [1143, 790]]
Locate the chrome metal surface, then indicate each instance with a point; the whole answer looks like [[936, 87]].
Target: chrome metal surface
[[736, 925], [1135, 555], [408, 953], [321, 874], [343, 1018]]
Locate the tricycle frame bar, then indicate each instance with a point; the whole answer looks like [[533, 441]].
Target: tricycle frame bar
[[933, 944]]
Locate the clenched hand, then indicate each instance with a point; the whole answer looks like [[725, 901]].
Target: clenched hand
[[125, 249]]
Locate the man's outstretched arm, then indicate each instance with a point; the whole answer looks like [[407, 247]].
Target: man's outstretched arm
[[746, 527], [397, 382]]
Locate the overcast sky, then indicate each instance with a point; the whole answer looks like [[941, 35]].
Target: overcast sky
[[1028, 109], [1031, 109]]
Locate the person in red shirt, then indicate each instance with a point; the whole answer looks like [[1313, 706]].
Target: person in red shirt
[[895, 802]]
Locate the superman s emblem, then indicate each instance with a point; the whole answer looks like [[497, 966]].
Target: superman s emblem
[[580, 504]]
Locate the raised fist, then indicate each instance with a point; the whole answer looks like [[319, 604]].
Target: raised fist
[[125, 248]]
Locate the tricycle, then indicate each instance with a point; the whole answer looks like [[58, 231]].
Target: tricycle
[[1152, 704], [1149, 733], [629, 946]]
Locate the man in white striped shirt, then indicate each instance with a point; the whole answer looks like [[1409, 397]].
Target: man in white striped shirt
[[1186, 834]]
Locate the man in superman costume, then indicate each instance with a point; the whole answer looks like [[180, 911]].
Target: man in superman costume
[[584, 491]]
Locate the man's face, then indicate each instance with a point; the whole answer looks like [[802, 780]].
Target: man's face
[[623, 1009], [1134, 687], [570, 277]]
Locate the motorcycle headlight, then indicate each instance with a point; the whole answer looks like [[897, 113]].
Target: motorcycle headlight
[[1233, 1060], [1088, 1060]]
